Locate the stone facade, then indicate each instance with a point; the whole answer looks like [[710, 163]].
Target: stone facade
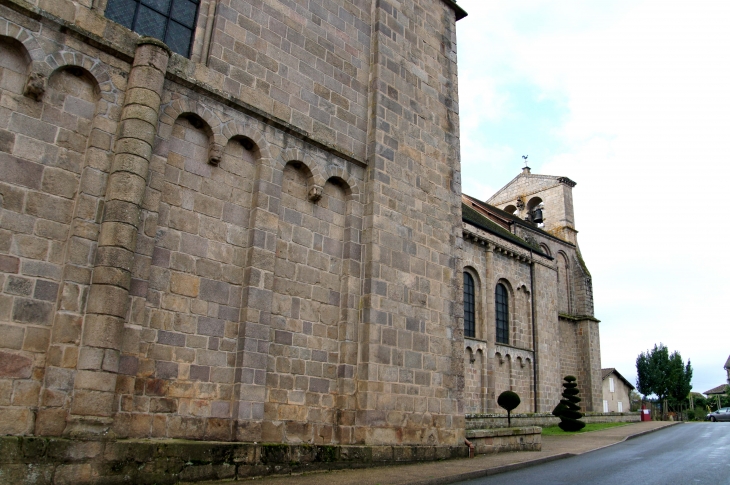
[[256, 243], [262, 242], [552, 330]]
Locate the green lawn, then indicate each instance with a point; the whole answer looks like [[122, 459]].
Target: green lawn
[[556, 431]]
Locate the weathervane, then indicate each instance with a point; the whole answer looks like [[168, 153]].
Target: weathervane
[[524, 157]]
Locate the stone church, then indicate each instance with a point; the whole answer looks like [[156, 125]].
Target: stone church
[[242, 221]]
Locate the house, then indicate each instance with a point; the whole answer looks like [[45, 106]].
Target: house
[[616, 391]]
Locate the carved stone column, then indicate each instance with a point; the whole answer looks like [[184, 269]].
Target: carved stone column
[[93, 403]]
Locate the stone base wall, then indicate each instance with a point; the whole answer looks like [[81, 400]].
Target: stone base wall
[[488, 421], [42, 461], [488, 441]]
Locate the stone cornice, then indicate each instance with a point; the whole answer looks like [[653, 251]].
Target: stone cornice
[[495, 243], [578, 318], [460, 12]]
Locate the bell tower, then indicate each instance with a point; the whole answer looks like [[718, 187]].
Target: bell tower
[[545, 200]]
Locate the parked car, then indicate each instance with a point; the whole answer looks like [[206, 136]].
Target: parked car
[[722, 414]]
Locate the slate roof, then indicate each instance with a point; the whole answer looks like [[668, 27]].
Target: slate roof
[[470, 215], [716, 390], [610, 370], [506, 216]]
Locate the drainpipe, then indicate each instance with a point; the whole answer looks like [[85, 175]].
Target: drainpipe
[[534, 329]]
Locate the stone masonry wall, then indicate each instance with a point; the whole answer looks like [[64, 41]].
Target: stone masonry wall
[[411, 361], [261, 244]]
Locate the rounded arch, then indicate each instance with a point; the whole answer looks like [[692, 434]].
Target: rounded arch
[[546, 250], [342, 183], [15, 62], [345, 176], [510, 209], [563, 259], [78, 72], [564, 299], [96, 69], [236, 129], [33, 48], [533, 203], [184, 106]]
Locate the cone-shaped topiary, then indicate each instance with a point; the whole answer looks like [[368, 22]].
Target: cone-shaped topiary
[[568, 410], [508, 400]]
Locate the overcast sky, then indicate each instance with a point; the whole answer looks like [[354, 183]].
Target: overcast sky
[[631, 100]]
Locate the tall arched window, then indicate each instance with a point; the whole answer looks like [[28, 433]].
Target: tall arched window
[[502, 304], [469, 313]]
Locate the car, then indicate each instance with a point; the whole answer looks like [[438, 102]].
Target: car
[[722, 414]]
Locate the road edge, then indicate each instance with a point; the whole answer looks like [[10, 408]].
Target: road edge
[[525, 464]]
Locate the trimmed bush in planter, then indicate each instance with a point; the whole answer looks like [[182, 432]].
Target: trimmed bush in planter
[[508, 400], [568, 410]]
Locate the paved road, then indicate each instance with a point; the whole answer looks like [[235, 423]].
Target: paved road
[[694, 453]]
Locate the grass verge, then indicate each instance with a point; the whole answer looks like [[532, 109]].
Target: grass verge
[[556, 431]]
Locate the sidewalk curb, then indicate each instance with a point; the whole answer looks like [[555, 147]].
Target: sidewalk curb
[[490, 471], [631, 437], [525, 464]]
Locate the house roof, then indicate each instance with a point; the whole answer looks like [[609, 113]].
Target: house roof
[[716, 390], [727, 363], [611, 370]]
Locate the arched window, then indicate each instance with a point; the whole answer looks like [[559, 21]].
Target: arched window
[[469, 307], [500, 295]]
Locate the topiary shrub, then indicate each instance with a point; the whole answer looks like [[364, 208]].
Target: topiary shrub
[[568, 410], [508, 400]]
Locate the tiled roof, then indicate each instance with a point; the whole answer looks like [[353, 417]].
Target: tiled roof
[[716, 390], [611, 370]]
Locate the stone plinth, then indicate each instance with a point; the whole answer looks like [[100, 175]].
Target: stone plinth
[[488, 441], [54, 460], [489, 421]]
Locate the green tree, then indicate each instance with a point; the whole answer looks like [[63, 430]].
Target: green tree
[[680, 379], [567, 409], [662, 374]]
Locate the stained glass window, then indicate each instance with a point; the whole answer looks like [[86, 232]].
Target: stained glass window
[[469, 313], [502, 314], [171, 21]]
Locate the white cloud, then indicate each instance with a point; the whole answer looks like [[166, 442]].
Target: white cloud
[[646, 86]]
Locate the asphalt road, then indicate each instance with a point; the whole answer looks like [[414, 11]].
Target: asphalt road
[[692, 453]]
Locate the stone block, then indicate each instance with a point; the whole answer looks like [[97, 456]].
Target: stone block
[[92, 403], [16, 421], [184, 284], [36, 339], [50, 422], [9, 264], [15, 365], [12, 336], [20, 172]]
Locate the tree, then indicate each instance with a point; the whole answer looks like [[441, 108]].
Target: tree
[[508, 400], [635, 400], [568, 410], [664, 375]]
